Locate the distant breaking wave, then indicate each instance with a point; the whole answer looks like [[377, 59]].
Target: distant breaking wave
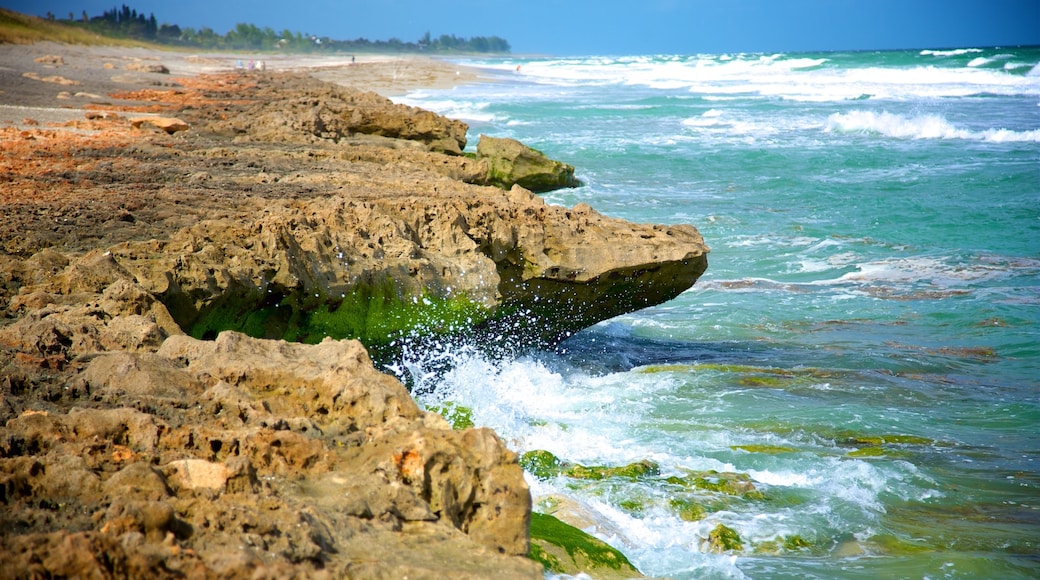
[[954, 52], [920, 127], [809, 78]]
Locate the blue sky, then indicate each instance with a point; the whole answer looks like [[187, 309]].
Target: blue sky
[[570, 27]]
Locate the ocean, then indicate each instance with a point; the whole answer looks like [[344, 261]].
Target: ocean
[[853, 387]]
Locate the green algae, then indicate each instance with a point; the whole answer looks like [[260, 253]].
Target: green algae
[[875, 452], [727, 483], [877, 440], [564, 549], [769, 449], [637, 470], [540, 463], [546, 559], [792, 543], [687, 509], [460, 417], [867, 452], [795, 543], [724, 539], [807, 372], [377, 314], [544, 465], [760, 381], [892, 545]]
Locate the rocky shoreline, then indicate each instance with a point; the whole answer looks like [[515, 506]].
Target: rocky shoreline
[[186, 262]]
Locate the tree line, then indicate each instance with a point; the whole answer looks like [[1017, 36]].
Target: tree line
[[126, 22]]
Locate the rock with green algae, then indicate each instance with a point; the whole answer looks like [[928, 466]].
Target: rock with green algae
[[729, 483], [564, 549], [510, 162], [543, 465], [762, 448], [782, 544], [459, 416], [687, 509], [724, 539]]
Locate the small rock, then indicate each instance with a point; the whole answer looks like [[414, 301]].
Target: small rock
[[97, 115], [510, 162], [199, 474], [149, 67], [51, 59], [169, 124]]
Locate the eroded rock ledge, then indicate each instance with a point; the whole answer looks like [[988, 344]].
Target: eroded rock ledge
[[294, 210]]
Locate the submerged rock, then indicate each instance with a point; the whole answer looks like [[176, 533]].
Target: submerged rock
[[564, 549], [724, 539], [544, 465]]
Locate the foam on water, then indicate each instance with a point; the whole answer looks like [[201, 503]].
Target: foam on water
[[456, 109], [811, 79], [953, 52], [920, 127]]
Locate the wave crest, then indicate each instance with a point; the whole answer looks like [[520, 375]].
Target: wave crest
[[920, 127]]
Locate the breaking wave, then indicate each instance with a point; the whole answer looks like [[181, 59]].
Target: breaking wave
[[920, 127]]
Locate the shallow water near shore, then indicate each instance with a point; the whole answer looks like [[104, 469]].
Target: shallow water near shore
[[864, 348]]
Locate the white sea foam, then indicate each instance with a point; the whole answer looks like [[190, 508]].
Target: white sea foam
[[929, 126], [953, 52], [781, 76], [936, 271], [455, 109]]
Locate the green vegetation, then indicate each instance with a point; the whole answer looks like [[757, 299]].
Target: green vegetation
[[727, 483], [564, 549], [769, 449], [127, 23], [724, 539], [16, 28], [376, 314], [543, 465], [459, 416], [688, 510], [540, 463], [793, 543]]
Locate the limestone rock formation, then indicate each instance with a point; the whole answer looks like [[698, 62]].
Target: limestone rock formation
[[384, 268], [142, 435], [255, 455], [510, 163], [293, 109]]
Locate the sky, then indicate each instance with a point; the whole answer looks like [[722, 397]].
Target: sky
[[612, 27]]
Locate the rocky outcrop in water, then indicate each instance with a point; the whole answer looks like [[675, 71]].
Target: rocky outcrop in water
[[510, 162], [131, 446], [391, 266]]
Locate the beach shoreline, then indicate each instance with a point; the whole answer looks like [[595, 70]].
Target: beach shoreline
[[50, 82]]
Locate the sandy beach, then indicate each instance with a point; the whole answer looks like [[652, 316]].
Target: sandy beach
[[48, 82]]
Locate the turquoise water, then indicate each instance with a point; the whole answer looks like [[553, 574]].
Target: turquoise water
[[864, 348]]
